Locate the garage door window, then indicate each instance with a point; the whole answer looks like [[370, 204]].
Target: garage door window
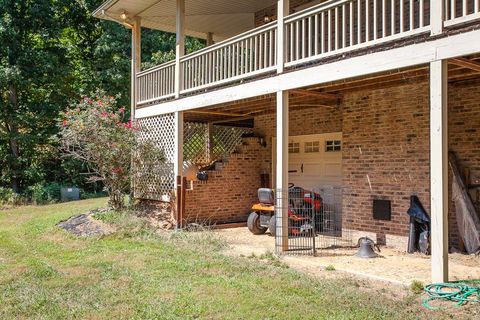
[[294, 147], [312, 146], [333, 145]]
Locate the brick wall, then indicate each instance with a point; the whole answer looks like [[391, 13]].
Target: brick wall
[[385, 155], [229, 193], [464, 136]]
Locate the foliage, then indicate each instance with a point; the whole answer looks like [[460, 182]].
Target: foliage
[[95, 133], [45, 193], [54, 52]]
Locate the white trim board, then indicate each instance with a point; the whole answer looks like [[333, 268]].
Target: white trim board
[[408, 56]]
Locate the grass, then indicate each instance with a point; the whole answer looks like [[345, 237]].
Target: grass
[[45, 273]]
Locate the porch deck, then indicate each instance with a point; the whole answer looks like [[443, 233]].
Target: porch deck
[[332, 28]]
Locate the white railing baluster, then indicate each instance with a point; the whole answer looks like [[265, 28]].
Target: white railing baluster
[[329, 35], [402, 21], [344, 26], [384, 19], [464, 8], [375, 25], [316, 35], [359, 22], [422, 14]]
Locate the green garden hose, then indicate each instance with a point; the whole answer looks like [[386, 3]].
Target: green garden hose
[[460, 293]]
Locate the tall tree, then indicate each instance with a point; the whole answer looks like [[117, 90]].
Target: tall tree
[[34, 84], [52, 53]]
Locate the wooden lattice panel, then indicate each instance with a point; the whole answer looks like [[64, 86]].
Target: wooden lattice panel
[[195, 145], [154, 181], [204, 144], [226, 140]]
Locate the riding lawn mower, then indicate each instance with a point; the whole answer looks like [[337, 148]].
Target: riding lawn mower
[[304, 212]]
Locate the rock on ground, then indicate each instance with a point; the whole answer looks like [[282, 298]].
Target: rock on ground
[[84, 225]]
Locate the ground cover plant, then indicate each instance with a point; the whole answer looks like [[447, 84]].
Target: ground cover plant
[[138, 273]]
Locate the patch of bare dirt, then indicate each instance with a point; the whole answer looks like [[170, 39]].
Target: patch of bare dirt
[[393, 266], [84, 225], [158, 214]]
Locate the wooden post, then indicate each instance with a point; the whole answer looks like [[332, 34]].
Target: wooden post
[[136, 64], [437, 15], [281, 181], [283, 10], [209, 39], [209, 142], [178, 164], [180, 47], [439, 169]]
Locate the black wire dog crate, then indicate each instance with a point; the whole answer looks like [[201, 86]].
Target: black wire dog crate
[[317, 219]]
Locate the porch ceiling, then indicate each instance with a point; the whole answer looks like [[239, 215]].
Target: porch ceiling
[[223, 18]]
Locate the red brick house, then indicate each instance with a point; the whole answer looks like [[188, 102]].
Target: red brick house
[[367, 95]]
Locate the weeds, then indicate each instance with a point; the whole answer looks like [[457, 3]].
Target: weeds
[[330, 268], [417, 287]]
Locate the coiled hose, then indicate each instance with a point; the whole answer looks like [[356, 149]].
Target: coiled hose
[[460, 293]]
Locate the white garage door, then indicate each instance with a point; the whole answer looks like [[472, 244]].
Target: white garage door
[[315, 161]]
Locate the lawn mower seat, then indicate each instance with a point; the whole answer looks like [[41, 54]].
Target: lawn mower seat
[[266, 196]]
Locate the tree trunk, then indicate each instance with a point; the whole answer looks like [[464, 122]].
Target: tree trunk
[[12, 129]]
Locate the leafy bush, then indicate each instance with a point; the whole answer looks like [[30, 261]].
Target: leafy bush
[[98, 133], [6, 195], [45, 193]]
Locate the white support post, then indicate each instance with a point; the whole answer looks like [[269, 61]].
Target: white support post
[[439, 169], [180, 47], [209, 39], [437, 15], [281, 179], [283, 10], [136, 64]]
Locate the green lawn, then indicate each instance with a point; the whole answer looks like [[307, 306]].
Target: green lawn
[[46, 273]]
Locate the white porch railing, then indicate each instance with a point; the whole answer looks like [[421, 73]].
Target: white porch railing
[[331, 28], [248, 54], [459, 11], [335, 27], [156, 83]]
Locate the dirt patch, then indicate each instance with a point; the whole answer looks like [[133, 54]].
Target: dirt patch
[[393, 266], [158, 214], [84, 225]]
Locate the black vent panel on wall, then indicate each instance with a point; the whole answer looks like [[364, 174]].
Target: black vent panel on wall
[[382, 210]]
